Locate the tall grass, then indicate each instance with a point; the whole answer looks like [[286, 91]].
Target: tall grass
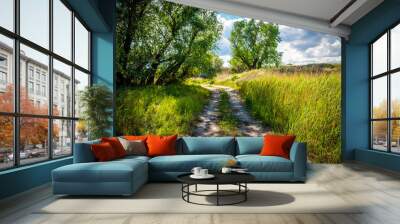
[[162, 110], [302, 104]]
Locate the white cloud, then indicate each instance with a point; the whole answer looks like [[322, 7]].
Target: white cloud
[[290, 55], [226, 59], [224, 46], [227, 24], [324, 49], [298, 46]]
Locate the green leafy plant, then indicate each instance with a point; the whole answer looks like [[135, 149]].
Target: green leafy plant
[[160, 42], [162, 110], [254, 45], [96, 102]]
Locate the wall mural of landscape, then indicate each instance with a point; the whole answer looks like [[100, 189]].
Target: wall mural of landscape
[[189, 71]]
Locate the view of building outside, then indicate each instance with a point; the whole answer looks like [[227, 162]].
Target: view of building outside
[[34, 99], [47, 107]]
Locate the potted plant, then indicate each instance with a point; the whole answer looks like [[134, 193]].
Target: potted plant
[[96, 104]]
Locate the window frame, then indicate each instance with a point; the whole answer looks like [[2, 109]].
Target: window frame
[[388, 74], [3, 74], [3, 71], [16, 114]]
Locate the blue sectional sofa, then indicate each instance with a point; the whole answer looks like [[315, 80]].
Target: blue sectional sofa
[[125, 176]]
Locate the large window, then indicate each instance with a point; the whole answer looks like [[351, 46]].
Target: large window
[[7, 14], [44, 64], [385, 91]]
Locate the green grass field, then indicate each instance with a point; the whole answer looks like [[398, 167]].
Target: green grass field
[[301, 101], [227, 80], [304, 104], [162, 110]]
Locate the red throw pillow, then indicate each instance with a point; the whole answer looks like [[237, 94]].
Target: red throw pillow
[[277, 145], [116, 145], [135, 137], [103, 152], [161, 145]]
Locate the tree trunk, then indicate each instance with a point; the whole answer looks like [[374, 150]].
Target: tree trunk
[[131, 17]]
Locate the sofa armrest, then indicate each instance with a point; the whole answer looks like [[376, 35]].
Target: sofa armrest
[[83, 152], [298, 155]]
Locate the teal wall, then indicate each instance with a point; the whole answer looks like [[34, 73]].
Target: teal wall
[[99, 16], [24, 178], [103, 67], [103, 53], [355, 91]]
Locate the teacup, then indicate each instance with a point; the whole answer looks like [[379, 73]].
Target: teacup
[[196, 171], [203, 172]]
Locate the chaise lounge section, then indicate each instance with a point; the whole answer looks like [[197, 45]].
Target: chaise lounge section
[[88, 177], [125, 176]]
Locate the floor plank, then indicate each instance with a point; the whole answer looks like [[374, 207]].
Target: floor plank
[[378, 191]]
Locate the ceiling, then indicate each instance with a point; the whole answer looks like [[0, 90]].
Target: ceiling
[[327, 16], [95, 13], [321, 9]]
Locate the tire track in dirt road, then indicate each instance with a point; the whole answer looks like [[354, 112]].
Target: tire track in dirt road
[[208, 120]]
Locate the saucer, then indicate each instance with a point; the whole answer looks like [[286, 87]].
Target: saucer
[[208, 176]]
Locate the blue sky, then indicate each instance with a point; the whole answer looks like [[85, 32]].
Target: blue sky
[[34, 26], [298, 46]]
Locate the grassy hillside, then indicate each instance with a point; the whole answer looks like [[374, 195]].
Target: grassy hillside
[[159, 110], [233, 80], [305, 104]]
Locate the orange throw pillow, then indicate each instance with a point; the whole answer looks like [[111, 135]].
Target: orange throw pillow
[[103, 152], [116, 145], [277, 145], [135, 137], [161, 145]]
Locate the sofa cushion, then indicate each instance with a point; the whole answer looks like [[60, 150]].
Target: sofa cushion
[[207, 145], [133, 157], [116, 145], [161, 145], [134, 147], [249, 145], [112, 171], [185, 163], [257, 163], [103, 152], [83, 152], [277, 145], [135, 137]]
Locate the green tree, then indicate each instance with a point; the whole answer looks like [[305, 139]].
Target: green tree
[[254, 45], [212, 66], [96, 102], [169, 43], [129, 15]]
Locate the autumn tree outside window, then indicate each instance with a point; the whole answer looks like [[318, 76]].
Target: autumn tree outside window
[[45, 63], [385, 93]]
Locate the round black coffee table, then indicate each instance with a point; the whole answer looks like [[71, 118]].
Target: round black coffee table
[[238, 179]]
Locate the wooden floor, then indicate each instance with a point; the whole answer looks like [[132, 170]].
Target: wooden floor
[[378, 189]]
